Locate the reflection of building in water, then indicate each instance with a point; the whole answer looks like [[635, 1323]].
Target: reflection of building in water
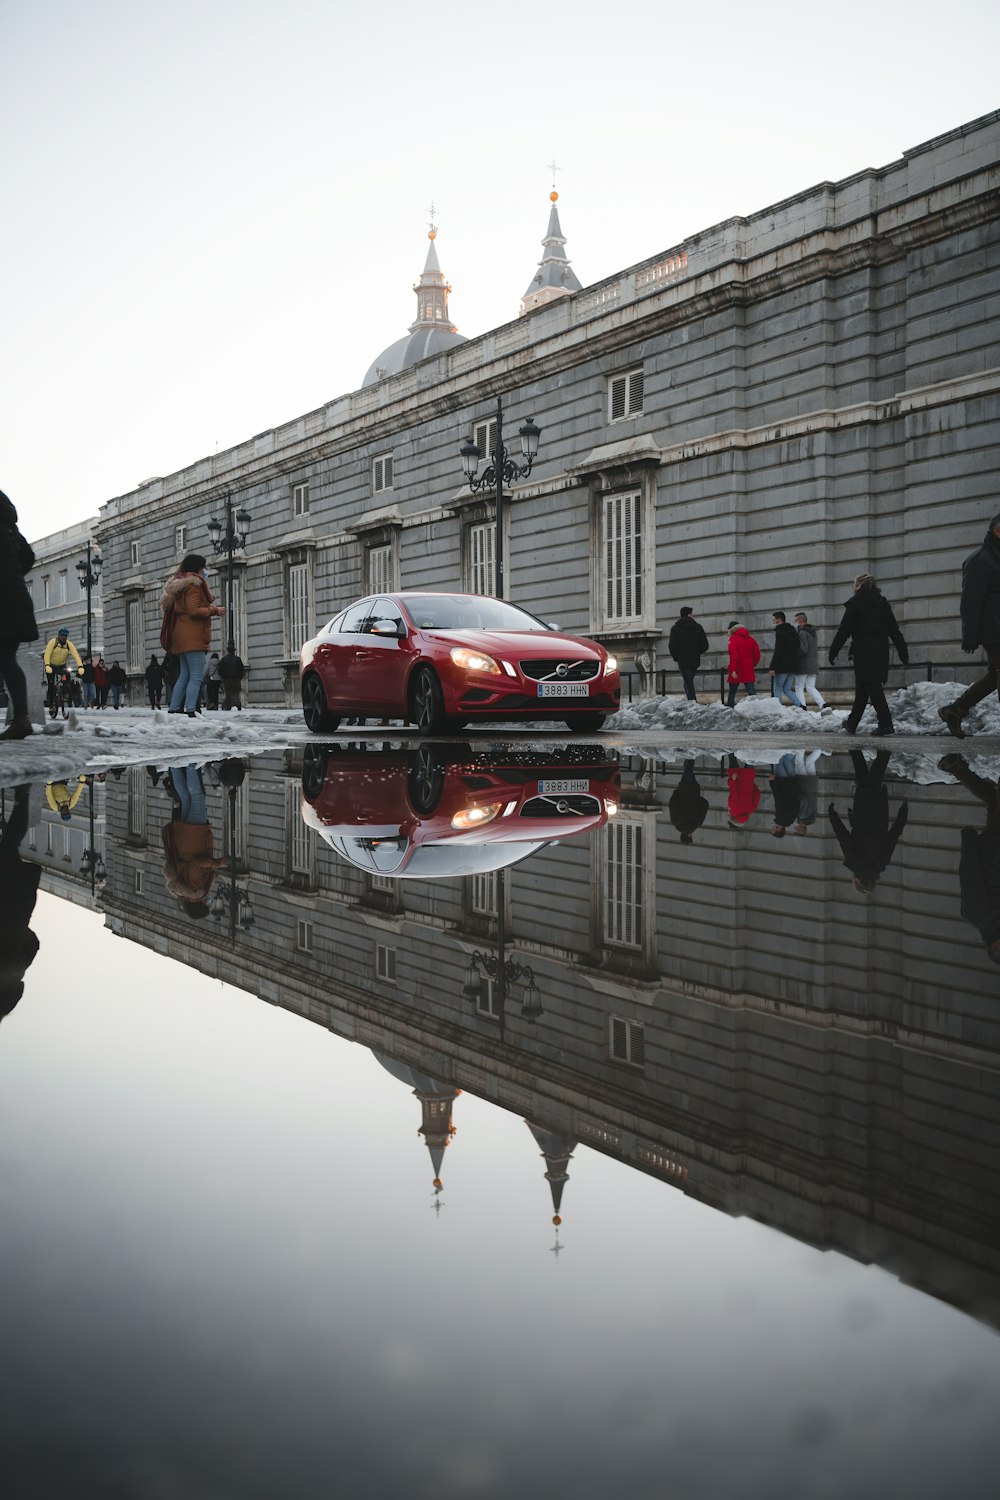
[[731, 1016]]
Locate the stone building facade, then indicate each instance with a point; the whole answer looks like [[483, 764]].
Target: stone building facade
[[740, 423], [56, 593]]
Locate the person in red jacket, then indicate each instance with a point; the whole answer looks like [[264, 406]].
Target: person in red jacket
[[744, 793], [744, 654]]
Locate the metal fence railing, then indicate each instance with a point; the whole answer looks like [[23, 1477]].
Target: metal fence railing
[[831, 679]]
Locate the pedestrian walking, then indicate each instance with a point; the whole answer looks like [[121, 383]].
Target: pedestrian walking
[[807, 783], [785, 794], [980, 609], [231, 674], [189, 862], [188, 611], [807, 666], [88, 681], [744, 793], [117, 682], [744, 654], [870, 625], [17, 617], [979, 862], [687, 807], [868, 844], [101, 682], [785, 659], [687, 643], [154, 682], [213, 682]]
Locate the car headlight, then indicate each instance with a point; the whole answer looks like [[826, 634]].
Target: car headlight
[[473, 661], [611, 808], [476, 817], [611, 665]]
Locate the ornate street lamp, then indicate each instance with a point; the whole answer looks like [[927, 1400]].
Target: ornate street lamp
[[230, 538], [89, 571], [502, 970], [229, 894], [92, 866], [501, 468]]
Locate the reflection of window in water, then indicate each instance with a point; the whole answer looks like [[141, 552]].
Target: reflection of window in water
[[623, 881], [628, 1042], [383, 883], [385, 963], [136, 799], [486, 1000], [482, 892], [304, 937], [300, 848]]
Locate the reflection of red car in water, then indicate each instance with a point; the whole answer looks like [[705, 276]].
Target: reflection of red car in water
[[439, 811]]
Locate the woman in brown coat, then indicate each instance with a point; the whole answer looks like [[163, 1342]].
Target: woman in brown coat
[[188, 612]]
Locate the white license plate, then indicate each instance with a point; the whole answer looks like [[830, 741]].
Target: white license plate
[[562, 788], [564, 690]]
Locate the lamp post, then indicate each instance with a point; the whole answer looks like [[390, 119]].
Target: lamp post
[[229, 894], [92, 865], [89, 571], [229, 539], [501, 969], [501, 468]]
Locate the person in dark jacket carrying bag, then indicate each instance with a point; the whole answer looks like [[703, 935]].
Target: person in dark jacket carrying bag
[[785, 661], [870, 625], [980, 625], [687, 644]]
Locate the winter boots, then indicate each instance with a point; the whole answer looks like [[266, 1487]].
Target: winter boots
[[18, 729]]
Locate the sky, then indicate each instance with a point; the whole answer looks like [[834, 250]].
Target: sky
[[215, 210]]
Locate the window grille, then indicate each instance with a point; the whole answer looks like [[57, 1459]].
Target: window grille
[[385, 963], [483, 894], [134, 646], [48, 838], [298, 605], [300, 499], [45, 593], [487, 1001], [133, 554], [299, 842], [484, 435], [622, 552], [62, 587], [137, 883], [628, 1042], [67, 843], [382, 473], [180, 541], [380, 579], [482, 558], [623, 879], [33, 838], [382, 883], [625, 395], [136, 800], [304, 937]]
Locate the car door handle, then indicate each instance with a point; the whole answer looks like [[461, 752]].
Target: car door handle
[[362, 656]]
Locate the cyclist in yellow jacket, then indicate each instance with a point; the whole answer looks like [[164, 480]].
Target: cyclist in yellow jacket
[[61, 799], [58, 651]]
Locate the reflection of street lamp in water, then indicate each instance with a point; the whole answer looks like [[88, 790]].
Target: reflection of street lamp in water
[[502, 970], [229, 894]]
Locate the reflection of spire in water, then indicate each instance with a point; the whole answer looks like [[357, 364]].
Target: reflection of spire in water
[[436, 1099], [557, 1150], [557, 1248]]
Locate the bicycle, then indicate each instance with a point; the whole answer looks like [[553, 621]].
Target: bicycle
[[64, 694]]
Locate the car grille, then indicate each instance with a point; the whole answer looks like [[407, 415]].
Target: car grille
[[577, 805], [576, 671]]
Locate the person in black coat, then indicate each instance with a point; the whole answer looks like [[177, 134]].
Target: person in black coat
[[17, 616], [154, 682], [979, 863], [785, 660], [868, 844], [687, 807], [870, 625], [18, 893], [980, 625], [687, 643]]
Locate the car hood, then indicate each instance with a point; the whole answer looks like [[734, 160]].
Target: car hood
[[520, 643]]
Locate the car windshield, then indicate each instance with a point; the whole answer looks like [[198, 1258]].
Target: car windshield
[[467, 612]]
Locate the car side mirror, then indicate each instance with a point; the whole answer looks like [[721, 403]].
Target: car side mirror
[[551, 625], [385, 627]]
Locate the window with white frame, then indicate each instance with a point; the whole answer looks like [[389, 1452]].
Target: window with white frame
[[298, 605], [487, 1000], [383, 883], [136, 801], [484, 435], [133, 554], [624, 914], [45, 593], [48, 838], [300, 845], [627, 1041], [621, 557], [300, 499], [180, 541], [482, 894], [380, 570], [385, 963], [481, 540], [137, 883], [624, 395], [304, 936], [134, 645], [382, 473], [63, 580]]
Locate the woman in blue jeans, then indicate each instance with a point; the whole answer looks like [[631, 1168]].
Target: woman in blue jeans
[[188, 612]]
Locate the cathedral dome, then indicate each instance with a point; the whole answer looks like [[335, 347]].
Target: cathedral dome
[[431, 333]]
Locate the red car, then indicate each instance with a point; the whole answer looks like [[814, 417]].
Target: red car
[[437, 812], [443, 660]]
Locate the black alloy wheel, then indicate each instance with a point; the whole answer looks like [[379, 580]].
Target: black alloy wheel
[[427, 702], [586, 723], [426, 779], [315, 759], [319, 719]]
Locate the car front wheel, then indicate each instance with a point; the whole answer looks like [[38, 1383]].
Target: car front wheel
[[319, 719], [586, 723], [427, 703]]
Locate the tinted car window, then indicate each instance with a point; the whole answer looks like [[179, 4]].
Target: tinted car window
[[335, 624], [384, 609], [468, 612], [354, 618]]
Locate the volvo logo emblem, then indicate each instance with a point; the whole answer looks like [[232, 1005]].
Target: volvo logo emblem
[[562, 669]]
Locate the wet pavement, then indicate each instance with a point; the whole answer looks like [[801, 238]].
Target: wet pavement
[[485, 1118]]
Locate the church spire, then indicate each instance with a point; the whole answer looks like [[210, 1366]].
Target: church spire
[[557, 1149], [432, 290], [555, 276]]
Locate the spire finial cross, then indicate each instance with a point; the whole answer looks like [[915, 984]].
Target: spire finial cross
[[554, 168], [433, 215]]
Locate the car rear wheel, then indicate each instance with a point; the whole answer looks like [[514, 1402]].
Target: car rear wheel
[[319, 719], [426, 779], [586, 723], [427, 703]]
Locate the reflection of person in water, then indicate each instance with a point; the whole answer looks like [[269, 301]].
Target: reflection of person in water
[[869, 842], [189, 864], [744, 793], [18, 891], [979, 865], [687, 807], [61, 798]]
